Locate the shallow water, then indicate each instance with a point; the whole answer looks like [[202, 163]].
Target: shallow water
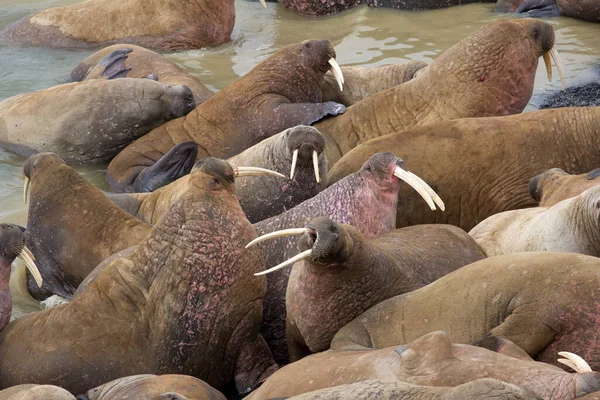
[[362, 36]]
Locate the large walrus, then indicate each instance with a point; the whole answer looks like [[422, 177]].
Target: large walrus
[[431, 359], [498, 157], [555, 185], [320, 7], [543, 302], [130, 61], [89, 122], [474, 78], [341, 268], [30, 391], [587, 10], [572, 225], [185, 302], [160, 25], [281, 92]]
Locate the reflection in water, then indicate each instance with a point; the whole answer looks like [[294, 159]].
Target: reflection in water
[[362, 36]]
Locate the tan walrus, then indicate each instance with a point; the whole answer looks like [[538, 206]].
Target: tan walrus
[[30, 391], [555, 185]]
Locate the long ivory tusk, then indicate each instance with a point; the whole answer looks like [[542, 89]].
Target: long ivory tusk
[[294, 161], [256, 171], [264, 3], [337, 73], [298, 257], [559, 65], [548, 63], [281, 233], [25, 190], [575, 362], [402, 174], [316, 165], [30, 264], [438, 201]]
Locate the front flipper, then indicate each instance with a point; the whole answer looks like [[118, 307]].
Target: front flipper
[[114, 64], [539, 8], [292, 114], [254, 365]]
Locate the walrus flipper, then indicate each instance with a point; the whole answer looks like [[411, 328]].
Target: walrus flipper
[[176, 163], [114, 64], [539, 8], [307, 113]]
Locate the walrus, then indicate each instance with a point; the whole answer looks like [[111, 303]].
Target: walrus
[[555, 185], [485, 388], [319, 7], [12, 246], [587, 10], [541, 301], [89, 122], [281, 92], [164, 26], [431, 359], [32, 391], [130, 61], [348, 273], [473, 186], [167, 387], [572, 225], [184, 302], [461, 82]]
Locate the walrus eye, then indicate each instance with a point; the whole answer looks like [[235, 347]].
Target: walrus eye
[[598, 204], [307, 45]]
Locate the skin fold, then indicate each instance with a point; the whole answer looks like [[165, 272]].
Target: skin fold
[[555, 185]]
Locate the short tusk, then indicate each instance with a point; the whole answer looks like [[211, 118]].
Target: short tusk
[[402, 174], [575, 362], [559, 65], [25, 190], [26, 257], [337, 73], [264, 3], [255, 171], [281, 233], [316, 165], [294, 161], [438, 201], [298, 257], [548, 64]]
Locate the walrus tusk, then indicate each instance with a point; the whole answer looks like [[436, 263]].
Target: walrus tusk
[[298, 257], [559, 66], [548, 66], [264, 3], [281, 233], [316, 165], [25, 190], [406, 177], [337, 73], [255, 171], [27, 257], [294, 161], [573, 361], [438, 201]]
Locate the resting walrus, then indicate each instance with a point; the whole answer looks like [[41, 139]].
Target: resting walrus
[[281, 92], [540, 301], [555, 185], [89, 122], [31, 391], [185, 302], [587, 10]]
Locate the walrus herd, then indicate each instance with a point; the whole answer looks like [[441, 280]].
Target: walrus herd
[[310, 231]]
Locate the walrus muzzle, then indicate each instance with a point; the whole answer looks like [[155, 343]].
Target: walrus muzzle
[[26, 256]]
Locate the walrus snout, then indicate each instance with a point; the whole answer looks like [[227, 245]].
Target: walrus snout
[[12, 240], [327, 240], [536, 184], [183, 102], [219, 169], [546, 34]]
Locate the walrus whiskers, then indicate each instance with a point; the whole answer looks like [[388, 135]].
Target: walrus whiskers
[[281, 233], [298, 257], [255, 171], [429, 190], [337, 73], [574, 362], [553, 53], [415, 184]]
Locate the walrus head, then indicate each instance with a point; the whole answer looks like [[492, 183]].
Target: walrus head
[[222, 171], [33, 164], [305, 145], [12, 245], [318, 57]]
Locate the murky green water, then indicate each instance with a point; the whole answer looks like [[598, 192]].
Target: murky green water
[[363, 36]]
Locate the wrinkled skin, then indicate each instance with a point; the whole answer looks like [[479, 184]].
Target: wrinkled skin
[[261, 197], [35, 392], [186, 302], [72, 226], [348, 274], [587, 10], [573, 225], [472, 187], [165, 26], [486, 388], [89, 122], [543, 302], [432, 360], [12, 239], [555, 185], [131, 61], [325, 7], [142, 387], [281, 92], [489, 73], [360, 83]]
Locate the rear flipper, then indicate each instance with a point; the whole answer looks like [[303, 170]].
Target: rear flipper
[[539, 8], [292, 114], [114, 64]]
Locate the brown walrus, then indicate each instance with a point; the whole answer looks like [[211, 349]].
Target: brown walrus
[[166, 25], [281, 92], [185, 302], [348, 273], [472, 186], [131, 61], [555, 185], [89, 122], [474, 78], [431, 359], [540, 301], [587, 10]]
